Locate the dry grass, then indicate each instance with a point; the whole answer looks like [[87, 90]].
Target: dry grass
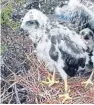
[[49, 95], [41, 94]]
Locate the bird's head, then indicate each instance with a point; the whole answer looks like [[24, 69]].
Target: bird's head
[[88, 37], [35, 23], [34, 19]]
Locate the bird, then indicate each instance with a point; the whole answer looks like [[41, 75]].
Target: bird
[[88, 37], [62, 49], [81, 19], [76, 15]]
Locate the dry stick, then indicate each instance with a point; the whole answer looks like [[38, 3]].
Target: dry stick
[[2, 79], [11, 98], [6, 97], [26, 82], [17, 96], [5, 4], [9, 69], [31, 61], [7, 89]]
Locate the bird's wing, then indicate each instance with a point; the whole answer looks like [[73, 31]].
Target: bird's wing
[[71, 14], [68, 40], [71, 47], [72, 54]]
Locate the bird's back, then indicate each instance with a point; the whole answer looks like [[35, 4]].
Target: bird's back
[[68, 48]]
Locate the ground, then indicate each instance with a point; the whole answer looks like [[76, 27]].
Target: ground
[[22, 73]]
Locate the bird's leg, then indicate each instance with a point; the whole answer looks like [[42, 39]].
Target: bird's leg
[[89, 81], [50, 80], [66, 95]]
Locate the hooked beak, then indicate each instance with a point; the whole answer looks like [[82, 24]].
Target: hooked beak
[[24, 32]]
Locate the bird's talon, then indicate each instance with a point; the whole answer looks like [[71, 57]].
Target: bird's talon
[[87, 83], [66, 97], [50, 81]]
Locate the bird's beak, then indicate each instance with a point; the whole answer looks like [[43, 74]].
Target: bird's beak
[[24, 32]]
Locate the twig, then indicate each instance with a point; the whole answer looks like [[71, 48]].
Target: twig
[[17, 96]]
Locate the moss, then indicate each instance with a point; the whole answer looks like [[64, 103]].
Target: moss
[[6, 16], [3, 48], [19, 1]]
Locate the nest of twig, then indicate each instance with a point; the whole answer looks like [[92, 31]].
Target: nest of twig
[[22, 74]]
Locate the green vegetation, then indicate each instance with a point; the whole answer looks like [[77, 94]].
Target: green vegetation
[[19, 1], [3, 48], [6, 19], [6, 16]]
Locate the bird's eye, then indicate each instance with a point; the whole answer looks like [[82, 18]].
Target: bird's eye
[[61, 5], [82, 33], [29, 23], [86, 37]]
